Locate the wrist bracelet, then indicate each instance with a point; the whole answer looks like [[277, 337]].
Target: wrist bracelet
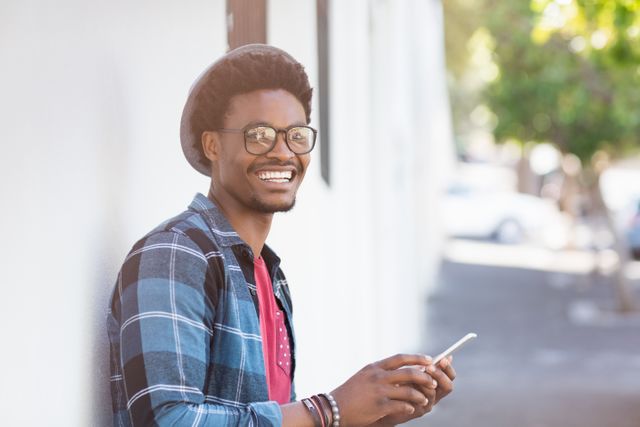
[[325, 409], [335, 410], [317, 418]]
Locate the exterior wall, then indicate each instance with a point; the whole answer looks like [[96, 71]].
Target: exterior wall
[[360, 255], [92, 96], [91, 100]]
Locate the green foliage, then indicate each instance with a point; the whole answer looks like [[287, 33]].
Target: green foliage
[[569, 73], [460, 24]]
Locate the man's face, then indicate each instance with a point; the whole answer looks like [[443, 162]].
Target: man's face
[[255, 182]]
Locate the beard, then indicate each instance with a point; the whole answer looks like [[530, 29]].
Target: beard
[[264, 207]]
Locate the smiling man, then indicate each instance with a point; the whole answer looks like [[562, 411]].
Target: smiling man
[[200, 320]]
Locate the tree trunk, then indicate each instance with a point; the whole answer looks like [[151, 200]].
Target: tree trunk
[[527, 180], [624, 294]]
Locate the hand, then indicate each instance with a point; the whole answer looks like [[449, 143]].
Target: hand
[[381, 389], [419, 410], [443, 374]]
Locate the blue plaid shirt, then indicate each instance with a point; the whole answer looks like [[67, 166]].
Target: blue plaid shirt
[[184, 329]]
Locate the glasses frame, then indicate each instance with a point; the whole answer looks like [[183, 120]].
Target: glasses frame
[[285, 131]]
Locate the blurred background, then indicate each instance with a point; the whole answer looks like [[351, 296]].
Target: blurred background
[[478, 170]]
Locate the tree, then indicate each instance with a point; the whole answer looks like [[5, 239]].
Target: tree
[[461, 23], [555, 86], [569, 74]]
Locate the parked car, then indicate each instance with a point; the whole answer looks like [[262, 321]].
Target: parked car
[[633, 233], [506, 217]]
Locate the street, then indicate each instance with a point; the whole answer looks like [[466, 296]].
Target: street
[[550, 352]]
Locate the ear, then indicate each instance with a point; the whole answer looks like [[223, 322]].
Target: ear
[[211, 145]]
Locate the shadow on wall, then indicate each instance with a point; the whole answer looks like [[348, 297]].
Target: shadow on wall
[[101, 410], [101, 404], [111, 244]]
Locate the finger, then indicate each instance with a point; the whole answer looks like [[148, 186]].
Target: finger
[[429, 393], [398, 407], [447, 368], [432, 397], [444, 377], [441, 377], [419, 411], [445, 385], [400, 360], [409, 394], [410, 375]]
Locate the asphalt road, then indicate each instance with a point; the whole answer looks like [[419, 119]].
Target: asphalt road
[[551, 351]]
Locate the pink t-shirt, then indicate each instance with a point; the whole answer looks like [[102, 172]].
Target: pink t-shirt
[[275, 339]]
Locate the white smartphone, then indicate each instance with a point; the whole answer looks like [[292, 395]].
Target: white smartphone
[[462, 341]]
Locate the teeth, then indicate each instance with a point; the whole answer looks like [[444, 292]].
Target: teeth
[[275, 176]]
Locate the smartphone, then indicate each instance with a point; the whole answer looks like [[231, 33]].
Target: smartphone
[[462, 341]]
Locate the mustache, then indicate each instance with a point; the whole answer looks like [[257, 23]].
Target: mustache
[[264, 165]]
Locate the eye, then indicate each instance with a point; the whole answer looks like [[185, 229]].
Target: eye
[[298, 134], [260, 134]]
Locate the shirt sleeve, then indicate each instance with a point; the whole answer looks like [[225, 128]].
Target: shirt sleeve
[[166, 324], [293, 392]]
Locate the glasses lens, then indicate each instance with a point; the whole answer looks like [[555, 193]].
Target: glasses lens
[[301, 139], [259, 139]]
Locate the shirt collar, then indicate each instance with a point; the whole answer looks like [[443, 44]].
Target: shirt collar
[[224, 234], [270, 258]]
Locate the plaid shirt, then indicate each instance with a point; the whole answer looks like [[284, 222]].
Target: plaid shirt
[[184, 329]]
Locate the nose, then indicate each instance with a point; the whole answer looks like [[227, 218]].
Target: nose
[[281, 150]]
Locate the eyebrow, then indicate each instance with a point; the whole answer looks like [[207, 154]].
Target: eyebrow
[[263, 123]]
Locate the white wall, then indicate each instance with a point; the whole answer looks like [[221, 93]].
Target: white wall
[[91, 100], [360, 255]]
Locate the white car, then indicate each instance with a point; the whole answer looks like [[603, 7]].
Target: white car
[[503, 216]]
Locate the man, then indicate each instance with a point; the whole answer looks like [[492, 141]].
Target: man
[[200, 318]]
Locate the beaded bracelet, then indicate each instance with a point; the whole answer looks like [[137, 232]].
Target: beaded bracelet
[[334, 409]]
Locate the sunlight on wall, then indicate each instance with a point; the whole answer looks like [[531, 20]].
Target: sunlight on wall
[[92, 96], [92, 110]]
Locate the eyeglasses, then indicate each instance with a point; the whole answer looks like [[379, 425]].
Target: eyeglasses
[[260, 139]]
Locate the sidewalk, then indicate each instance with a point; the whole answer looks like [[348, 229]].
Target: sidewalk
[[551, 350]]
